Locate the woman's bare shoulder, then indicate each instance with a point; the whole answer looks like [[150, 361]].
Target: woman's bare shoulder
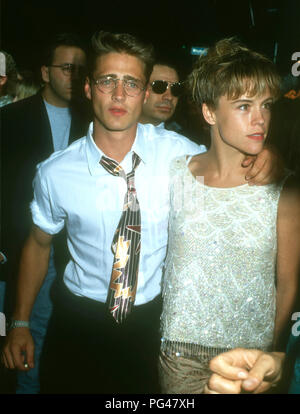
[[198, 161]]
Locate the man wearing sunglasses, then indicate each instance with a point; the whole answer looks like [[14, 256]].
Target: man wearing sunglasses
[[31, 130], [165, 89]]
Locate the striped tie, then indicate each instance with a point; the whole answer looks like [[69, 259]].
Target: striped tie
[[126, 245]]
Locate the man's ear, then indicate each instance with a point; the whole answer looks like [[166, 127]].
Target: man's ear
[[147, 93], [45, 73], [208, 114], [87, 88]]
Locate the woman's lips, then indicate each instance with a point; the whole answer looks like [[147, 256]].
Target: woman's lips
[[256, 137]]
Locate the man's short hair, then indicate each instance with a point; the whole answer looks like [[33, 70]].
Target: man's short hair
[[61, 39], [170, 62], [231, 69], [103, 43]]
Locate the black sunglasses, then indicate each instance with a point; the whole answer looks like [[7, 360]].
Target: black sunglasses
[[160, 86]]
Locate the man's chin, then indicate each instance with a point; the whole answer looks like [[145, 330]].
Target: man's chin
[[163, 117], [68, 96]]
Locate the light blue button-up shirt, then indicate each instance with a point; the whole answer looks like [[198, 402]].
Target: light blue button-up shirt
[[71, 188]]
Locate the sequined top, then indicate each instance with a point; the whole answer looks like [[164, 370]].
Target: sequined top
[[219, 283]]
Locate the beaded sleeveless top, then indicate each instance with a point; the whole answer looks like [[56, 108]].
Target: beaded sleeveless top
[[219, 282]]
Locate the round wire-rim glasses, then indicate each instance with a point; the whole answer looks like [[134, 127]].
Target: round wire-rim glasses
[[132, 87]]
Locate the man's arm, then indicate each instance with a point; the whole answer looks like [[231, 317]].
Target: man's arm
[[288, 260], [242, 369], [33, 269], [267, 167]]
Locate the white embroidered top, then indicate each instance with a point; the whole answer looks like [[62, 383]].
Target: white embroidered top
[[219, 283]]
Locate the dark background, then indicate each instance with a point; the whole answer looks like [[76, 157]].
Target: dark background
[[174, 25]]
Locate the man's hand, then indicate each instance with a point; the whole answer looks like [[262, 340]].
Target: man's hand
[[267, 167], [241, 370], [18, 351]]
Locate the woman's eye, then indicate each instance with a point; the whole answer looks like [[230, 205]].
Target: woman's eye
[[268, 105]]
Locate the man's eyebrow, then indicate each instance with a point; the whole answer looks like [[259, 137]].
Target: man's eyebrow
[[129, 77], [113, 75], [71, 65]]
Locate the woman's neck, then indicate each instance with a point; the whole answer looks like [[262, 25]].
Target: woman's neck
[[221, 166], [224, 161]]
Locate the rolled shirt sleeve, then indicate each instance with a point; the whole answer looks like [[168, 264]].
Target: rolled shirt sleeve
[[45, 213]]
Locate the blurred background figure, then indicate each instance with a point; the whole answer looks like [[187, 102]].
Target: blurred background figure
[[165, 89], [285, 123], [38, 124], [168, 105], [285, 136], [27, 85], [8, 78]]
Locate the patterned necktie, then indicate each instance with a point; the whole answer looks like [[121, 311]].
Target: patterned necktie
[[126, 245]]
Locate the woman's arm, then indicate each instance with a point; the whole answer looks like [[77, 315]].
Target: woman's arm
[[288, 259]]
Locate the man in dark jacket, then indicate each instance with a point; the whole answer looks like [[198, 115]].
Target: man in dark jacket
[[31, 130]]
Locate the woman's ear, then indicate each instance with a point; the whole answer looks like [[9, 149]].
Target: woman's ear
[[208, 114]]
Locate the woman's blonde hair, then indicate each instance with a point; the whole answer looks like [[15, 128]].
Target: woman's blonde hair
[[231, 69]]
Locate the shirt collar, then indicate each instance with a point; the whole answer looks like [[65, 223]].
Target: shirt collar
[[94, 153], [161, 125], [139, 146]]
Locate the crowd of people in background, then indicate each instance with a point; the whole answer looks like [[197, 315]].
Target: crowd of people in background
[[16, 84], [48, 275]]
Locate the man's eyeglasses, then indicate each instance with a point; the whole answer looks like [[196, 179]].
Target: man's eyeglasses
[[70, 68], [132, 87], [160, 87]]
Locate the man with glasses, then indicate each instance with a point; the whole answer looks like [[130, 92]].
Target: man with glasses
[[110, 191], [31, 130], [165, 89]]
